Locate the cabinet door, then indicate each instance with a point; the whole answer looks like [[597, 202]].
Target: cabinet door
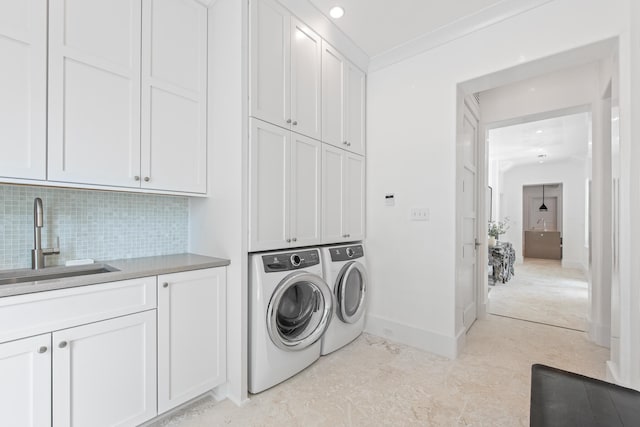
[[333, 86], [306, 159], [104, 373], [270, 62], [25, 388], [270, 159], [355, 109], [354, 200], [174, 95], [306, 80], [191, 335], [333, 197], [23, 80], [94, 91]]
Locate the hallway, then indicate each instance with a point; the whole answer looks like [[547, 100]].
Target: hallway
[[375, 382], [543, 291]]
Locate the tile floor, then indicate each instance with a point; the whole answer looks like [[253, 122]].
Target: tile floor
[[373, 382], [543, 291]]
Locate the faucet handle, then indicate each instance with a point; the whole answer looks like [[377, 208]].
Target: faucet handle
[[55, 250]]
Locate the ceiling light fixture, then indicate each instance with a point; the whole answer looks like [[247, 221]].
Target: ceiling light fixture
[[543, 207], [336, 12], [538, 131]]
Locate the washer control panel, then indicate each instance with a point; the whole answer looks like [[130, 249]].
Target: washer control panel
[[290, 261], [346, 253]]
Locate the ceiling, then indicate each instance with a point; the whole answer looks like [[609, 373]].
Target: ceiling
[[377, 26], [559, 138]]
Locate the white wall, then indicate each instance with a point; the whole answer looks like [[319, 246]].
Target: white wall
[[571, 174], [411, 152], [218, 223]]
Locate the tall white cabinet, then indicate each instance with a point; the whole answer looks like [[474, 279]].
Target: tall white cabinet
[[127, 93], [307, 135], [285, 183], [191, 335], [23, 85], [285, 70], [343, 175]]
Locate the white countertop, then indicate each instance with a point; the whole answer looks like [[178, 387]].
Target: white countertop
[[127, 269]]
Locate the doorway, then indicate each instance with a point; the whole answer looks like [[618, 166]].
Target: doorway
[[526, 95]]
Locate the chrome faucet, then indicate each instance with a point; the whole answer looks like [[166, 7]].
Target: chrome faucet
[[37, 253]]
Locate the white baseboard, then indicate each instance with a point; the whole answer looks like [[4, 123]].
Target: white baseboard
[[612, 373], [572, 264], [442, 345], [599, 334]]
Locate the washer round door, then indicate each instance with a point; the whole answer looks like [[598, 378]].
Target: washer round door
[[351, 291], [299, 311]]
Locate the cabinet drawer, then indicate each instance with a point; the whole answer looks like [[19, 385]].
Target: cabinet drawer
[[32, 314]]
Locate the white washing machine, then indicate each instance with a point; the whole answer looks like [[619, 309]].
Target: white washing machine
[[345, 271], [290, 307]]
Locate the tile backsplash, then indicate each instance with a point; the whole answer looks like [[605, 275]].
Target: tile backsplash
[[101, 225]]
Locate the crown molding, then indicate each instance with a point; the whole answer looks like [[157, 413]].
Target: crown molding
[[466, 25]]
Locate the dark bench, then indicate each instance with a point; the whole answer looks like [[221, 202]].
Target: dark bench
[[563, 399]]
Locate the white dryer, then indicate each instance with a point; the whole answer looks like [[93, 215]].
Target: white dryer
[[290, 307], [345, 272]]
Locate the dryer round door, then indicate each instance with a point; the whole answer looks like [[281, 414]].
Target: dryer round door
[[351, 291], [299, 311]]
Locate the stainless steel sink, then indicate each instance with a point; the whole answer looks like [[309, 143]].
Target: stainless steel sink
[[28, 275]]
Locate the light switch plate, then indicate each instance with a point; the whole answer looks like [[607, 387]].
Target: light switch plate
[[419, 214]]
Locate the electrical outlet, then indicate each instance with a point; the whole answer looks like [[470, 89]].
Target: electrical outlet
[[419, 214]]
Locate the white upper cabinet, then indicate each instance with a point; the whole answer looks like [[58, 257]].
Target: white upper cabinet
[[285, 187], [343, 102], [270, 88], [333, 96], [94, 91], [174, 95], [306, 80], [355, 109], [343, 175], [127, 93], [23, 79], [285, 70]]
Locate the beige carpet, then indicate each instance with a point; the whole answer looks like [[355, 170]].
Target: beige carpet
[[542, 291], [373, 382]]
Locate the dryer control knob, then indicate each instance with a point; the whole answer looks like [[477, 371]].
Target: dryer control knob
[[296, 260], [349, 252]]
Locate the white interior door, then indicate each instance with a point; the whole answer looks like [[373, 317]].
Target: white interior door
[[467, 219], [23, 88]]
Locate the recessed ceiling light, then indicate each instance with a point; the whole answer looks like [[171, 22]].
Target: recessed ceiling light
[[538, 131], [336, 12]]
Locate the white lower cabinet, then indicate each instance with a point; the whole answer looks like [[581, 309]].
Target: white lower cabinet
[[191, 335], [25, 385], [104, 373]]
